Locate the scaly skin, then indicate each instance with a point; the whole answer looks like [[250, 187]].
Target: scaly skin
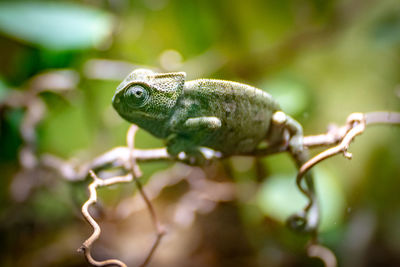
[[228, 117], [239, 115]]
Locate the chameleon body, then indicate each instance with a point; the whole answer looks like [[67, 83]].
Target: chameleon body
[[204, 119], [220, 117]]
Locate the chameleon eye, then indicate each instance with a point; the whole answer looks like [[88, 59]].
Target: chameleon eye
[[136, 96]]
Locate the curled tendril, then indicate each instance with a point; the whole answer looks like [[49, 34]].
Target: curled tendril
[[298, 222], [307, 220]]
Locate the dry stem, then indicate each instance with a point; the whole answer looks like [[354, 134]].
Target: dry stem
[[97, 182], [355, 125], [126, 158], [136, 173], [87, 245]]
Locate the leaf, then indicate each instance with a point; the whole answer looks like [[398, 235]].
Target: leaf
[[55, 26]]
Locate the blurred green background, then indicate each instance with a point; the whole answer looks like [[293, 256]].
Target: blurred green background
[[322, 60]]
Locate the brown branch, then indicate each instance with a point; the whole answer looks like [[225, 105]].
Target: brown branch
[[137, 173], [382, 117], [119, 156], [356, 124], [97, 182], [336, 134], [87, 245]]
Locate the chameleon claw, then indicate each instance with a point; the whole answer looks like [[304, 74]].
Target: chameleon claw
[[347, 155], [209, 153], [279, 117], [182, 156]]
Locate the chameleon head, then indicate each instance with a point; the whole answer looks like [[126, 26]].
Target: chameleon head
[[145, 95]]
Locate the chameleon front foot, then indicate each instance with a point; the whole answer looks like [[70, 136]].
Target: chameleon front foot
[[201, 156]]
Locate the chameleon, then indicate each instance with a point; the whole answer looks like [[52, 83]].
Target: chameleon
[[203, 119]]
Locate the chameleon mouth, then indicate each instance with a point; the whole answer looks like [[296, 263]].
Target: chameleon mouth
[[144, 114]]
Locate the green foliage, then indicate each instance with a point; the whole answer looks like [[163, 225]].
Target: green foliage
[[55, 26]]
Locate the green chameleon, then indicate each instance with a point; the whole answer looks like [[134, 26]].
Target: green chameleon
[[206, 118]]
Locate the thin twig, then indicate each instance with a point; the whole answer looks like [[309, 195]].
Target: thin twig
[[382, 117], [137, 173], [120, 156], [87, 245], [356, 124], [97, 182]]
